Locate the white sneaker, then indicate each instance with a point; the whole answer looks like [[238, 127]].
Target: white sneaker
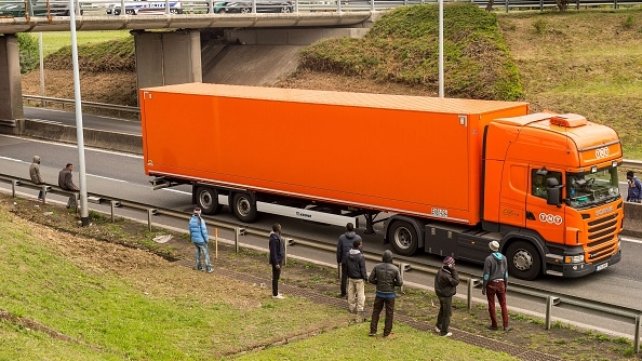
[[279, 296], [437, 329], [448, 334]]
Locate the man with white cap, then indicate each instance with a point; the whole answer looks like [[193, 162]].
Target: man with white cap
[[199, 236], [495, 279]]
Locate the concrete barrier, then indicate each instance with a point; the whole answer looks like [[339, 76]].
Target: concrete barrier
[[632, 219], [122, 142]]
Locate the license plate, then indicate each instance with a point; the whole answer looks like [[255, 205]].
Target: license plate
[[602, 266]]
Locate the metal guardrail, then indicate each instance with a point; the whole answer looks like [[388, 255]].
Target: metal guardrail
[[51, 8], [406, 264], [43, 100]]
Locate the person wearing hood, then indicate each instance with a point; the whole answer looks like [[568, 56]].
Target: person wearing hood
[[357, 275], [446, 282], [386, 277], [343, 247], [277, 255], [34, 174], [495, 281], [635, 188], [199, 236]]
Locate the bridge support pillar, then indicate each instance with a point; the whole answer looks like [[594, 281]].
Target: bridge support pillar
[[164, 58], [10, 86]]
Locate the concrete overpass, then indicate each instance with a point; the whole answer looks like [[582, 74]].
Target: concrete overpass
[[173, 56]]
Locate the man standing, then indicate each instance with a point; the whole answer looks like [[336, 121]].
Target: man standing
[[495, 280], [34, 174], [386, 276], [635, 188], [65, 182], [446, 282], [199, 236], [343, 247], [357, 275], [277, 255]]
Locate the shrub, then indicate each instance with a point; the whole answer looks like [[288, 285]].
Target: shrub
[[28, 52]]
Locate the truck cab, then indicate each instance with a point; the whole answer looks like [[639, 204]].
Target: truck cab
[[551, 193]]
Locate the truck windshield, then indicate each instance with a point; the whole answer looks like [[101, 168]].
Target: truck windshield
[[587, 189]]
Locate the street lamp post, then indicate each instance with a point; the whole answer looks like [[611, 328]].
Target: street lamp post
[[84, 212]]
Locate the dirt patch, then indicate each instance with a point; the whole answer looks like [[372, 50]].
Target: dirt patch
[[33, 325], [117, 87]]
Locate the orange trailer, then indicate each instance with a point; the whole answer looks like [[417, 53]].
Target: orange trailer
[[442, 167]]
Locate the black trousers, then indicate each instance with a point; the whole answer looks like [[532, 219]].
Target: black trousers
[[379, 303], [344, 279], [445, 312], [276, 274]]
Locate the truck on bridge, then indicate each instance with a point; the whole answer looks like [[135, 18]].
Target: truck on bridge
[[445, 176]]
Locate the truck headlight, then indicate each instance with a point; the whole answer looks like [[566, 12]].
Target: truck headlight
[[574, 259]]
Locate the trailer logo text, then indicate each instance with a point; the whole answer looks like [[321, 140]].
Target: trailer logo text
[[550, 218]]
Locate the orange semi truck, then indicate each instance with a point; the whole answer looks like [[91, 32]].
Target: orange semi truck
[[445, 176]]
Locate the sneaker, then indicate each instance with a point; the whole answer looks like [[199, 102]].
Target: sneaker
[[492, 328], [437, 329], [209, 270], [507, 329], [197, 268], [447, 334], [278, 297], [390, 335], [372, 334], [342, 295]]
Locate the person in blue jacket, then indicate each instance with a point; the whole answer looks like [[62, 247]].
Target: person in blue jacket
[[199, 236]]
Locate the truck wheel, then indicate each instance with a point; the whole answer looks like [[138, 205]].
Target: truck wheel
[[403, 237], [207, 199], [244, 207], [524, 260]]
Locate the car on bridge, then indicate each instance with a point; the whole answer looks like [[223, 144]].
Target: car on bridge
[[245, 7], [145, 7], [37, 8]]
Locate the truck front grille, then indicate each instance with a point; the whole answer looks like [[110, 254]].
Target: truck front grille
[[602, 238]]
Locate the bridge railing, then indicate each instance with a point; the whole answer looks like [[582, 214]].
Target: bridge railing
[[53, 8]]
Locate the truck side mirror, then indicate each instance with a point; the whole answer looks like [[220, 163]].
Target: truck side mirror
[[554, 196], [554, 191]]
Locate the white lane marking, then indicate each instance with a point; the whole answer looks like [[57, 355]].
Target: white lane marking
[[108, 178], [13, 159], [136, 156], [47, 121], [632, 240]]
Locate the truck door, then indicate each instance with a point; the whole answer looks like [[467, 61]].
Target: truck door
[[546, 219]]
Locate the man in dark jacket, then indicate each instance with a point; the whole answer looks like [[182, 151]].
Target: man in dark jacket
[[495, 280], [34, 174], [635, 188], [66, 182], [386, 276], [446, 282], [357, 275], [277, 254], [343, 247]]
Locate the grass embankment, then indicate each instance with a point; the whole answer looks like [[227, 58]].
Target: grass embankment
[[402, 47], [77, 298], [587, 62], [175, 302], [55, 40]]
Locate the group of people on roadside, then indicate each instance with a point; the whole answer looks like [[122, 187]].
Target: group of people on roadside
[[385, 276], [65, 181]]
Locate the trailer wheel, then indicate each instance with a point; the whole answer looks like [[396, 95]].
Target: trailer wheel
[[244, 207], [524, 260], [207, 199], [403, 237]]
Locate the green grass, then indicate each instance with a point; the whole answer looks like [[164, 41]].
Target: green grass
[[583, 62], [113, 314], [353, 343], [116, 54], [402, 47], [52, 41]]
